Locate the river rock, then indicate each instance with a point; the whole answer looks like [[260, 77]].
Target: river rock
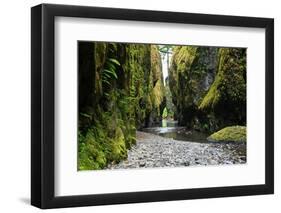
[[153, 151]]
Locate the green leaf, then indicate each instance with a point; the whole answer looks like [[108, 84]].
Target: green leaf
[[110, 66], [114, 61], [111, 72], [106, 75], [106, 81]]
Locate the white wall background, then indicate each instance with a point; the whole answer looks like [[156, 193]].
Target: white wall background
[[15, 105]]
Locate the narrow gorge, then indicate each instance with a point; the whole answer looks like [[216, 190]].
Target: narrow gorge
[[145, 105]]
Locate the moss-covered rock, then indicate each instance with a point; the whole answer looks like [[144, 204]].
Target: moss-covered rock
[[156, 91], [229, 134], [170, 107], [120, 89], [226, 98], [191, 74], [208, 86]]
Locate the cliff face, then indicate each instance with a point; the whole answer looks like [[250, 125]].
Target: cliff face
[[226, 98], [120, 90], [191, 74], [208, 86], [156, 94]]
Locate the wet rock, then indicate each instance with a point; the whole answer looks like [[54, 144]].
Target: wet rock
[[153, 151], [142, 163], [186, 163]]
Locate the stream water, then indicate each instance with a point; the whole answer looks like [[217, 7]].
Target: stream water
[[171, 145], [170, 129]]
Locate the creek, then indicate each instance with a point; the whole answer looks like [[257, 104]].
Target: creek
[[170, 145], [169, 129]]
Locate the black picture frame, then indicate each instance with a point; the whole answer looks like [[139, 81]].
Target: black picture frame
[[43, 102]]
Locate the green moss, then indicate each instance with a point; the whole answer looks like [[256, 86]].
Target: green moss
[[149, 104], [185, 58], [100, 55], [115, 109], [156, 65], [229, 83], [225, 101], [213, 95], [138, 64], [191, 67], [229, 134], [208, 86], [170, 107], [91, 151], [165, 113], [103, 143], [157, 94], [99, 58], [156, 86], [118, 146]]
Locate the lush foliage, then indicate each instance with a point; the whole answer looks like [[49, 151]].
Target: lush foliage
[[120, 90], [227, 96], [208, 86]]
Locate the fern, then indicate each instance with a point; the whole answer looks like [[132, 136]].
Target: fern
[[114, 61], [111, 65], [110, 71]]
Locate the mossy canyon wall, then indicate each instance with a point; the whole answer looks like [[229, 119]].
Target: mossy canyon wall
[[208, 86], [120, 90]]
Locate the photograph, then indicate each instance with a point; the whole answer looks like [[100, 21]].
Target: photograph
[[160, 105], [133, 105]]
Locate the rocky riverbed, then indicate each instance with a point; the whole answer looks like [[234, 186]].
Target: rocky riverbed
[[155, 151]]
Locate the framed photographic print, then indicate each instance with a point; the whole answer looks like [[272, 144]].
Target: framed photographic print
[[140, 106]]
